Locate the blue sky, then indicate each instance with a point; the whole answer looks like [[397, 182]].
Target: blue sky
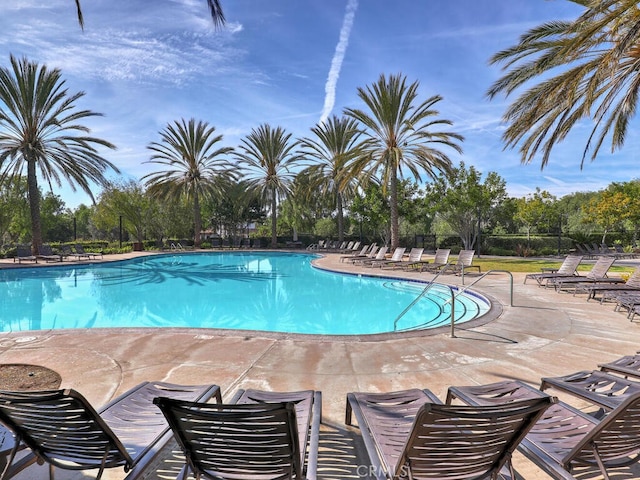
[[288, 63]]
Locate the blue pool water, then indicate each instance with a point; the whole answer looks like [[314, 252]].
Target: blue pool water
[[277, 292]]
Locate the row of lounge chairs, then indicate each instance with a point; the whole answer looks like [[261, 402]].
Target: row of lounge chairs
[[335, 246], [46, 253], [374, 256], [258, 434], [409, 434], [596, 284], [412, 434], [594, 250]]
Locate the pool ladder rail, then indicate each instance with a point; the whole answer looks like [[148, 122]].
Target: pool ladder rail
[[425, 290]]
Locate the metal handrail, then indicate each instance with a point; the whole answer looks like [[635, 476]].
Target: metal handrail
[[461, 290], [453, 295], [420, 295], [464, 288]]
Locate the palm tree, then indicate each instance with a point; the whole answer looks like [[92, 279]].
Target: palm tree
[[335, 146], [597, 58], [192, 167], [267, 156], [215, 8], [38, 119], [401, 134]]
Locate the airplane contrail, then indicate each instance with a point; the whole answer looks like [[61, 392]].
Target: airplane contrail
[[336, 62]]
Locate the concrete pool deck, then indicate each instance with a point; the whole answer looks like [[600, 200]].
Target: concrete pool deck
[[544, 333]]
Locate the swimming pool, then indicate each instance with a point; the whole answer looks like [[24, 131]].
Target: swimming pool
[[267, 291]]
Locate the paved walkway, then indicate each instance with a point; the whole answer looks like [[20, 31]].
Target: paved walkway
[[543, 334]]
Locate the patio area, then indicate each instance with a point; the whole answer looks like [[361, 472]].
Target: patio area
[[544, 333]]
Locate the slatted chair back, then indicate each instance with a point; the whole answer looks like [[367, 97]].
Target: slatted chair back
[[467, 442], [634, 279], [465, 258], [236, 441], [23, 252], [398, 253], [569, 265], [601, 267], [415, 255], [62, 428], [442, 256], [614, 439]]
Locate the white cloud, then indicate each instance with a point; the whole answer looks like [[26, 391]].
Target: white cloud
[[338, 57]]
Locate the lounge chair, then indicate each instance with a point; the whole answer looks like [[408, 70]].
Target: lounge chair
[[620, 253], [631, 285], [411, 434], [380, 254], [627, 299], [597, 274], [398, 253], [628, 366], [464, 262], [440, 260], [46, 254], [23, 253], [567, 269], [361, 254], [62, 429], [258, 434], [565, 437], [81, 252], [350, 248], [415, 255], [597, 387]]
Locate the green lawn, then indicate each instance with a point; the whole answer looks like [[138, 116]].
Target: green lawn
[[531, 265]]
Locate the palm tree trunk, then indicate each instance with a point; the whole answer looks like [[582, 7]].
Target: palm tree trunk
[[340, 217], [197, 220], [34, 206], [393, 203], [274, 220]]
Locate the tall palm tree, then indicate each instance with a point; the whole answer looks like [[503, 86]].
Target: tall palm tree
[[335, 146], [402, 137], [267, 156], [192, 163], [215, 8], [585, 69], [38, 125]]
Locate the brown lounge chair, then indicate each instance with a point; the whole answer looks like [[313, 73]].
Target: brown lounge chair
[[379, 255], [631, 285], [440, 260], [415, 255], [397, 255], [464, 262], [599, 388], [361, 254], [46, 254], [411, 434], [259, 434], [566, 437], [567, 269], [597, 274], [24, 254], [80, 252], [628, 366], [62, 429]]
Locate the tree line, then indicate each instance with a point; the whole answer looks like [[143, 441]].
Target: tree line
[[355, 167], [464, 204]]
